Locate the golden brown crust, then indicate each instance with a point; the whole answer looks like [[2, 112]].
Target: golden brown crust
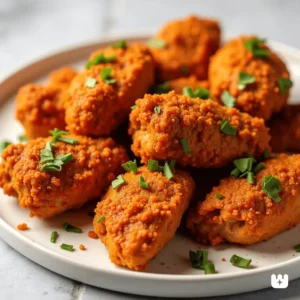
[[95, 163], [177, 85], [99, 110], [190, 43], [157, 136], [285, 130], [140, 222], [260, 99], [246, 215], [41, 108]]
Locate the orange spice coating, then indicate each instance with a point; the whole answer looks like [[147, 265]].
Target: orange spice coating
[[92, 235], [98, 110], [22, 227], [190, 43], [40, 108], [263, 97], [95, 163], [285, 130], [140, 222], [157, 136], [245, 214], [177, 85], [82, 247]]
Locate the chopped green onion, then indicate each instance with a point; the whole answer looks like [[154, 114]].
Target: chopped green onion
[[250, 177], [227, 129], [240, 261], [185, 146], [55, 164], [118, 182], [120, 44], [284, 84], [271, 186], [244, 164], [106, 75], [143, 183], [244, 80], [101, 219], [153, 165], [156, 43], [297, 248], [209, 269], [53, 237], [197, 93], [22, 138], [235, 173], [57, 136], [4, 145], [67, 247], [184, 69], [219, 196], [266, 154], [172, 164], [254, 46], [133, 107], [70, 228], [198, 259], [162, 88], [259, 167], [157, 109], [90, 82], [228, 100], [100, 59], [168, 172], [130, 166]]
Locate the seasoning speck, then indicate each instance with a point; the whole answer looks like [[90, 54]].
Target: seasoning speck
[[22, 227], [82, 247], [93, 235]]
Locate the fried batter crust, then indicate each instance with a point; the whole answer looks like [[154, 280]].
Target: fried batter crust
[[260, 99], [98, 110], [95, 163], [245, 214], [157, 136], [140, 222]]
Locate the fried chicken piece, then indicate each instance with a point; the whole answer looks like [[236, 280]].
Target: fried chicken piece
[[177, 85], [261, 98], [246, 214], [136, 223], [285, 130], [99, 109], [189, 44], [40, 108], [95, 163], [159, 135]]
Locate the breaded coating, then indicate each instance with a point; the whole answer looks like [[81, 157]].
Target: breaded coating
[[246, 214], [177, 85], [136, 223], [159, 136], [261, 98], [285, 130], [95, 163], [97, 110], [189, 44], [40, 108]]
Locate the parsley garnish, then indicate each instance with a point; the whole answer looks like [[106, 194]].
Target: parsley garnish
[[197, 93], [254, 46], [227, 129], [271, 186], [161, 88], [244, 80], [156, 43], [100, 59], [120, 44], [227, 99], [4, 145], [106, 75], [284, 84]]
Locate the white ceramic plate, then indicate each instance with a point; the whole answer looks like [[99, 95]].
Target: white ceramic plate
[[170, 273]]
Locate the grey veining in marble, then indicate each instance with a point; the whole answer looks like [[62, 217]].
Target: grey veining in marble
[[31, 28]]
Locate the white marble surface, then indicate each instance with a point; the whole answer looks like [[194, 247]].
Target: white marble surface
[[31, 28]]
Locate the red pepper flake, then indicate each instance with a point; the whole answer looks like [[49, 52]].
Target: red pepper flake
[[22, 227], [93, 235]]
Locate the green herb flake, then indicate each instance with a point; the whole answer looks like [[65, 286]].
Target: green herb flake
[[197, 93], [219, 196], [133, 107], [209, 269], [254, 46], [271, 186], [58, 136], [161, 88], [244, 80], [157, 109], [121, 44], [198, 259], [250, 177], [235, 173], [106, 75], [185, 145], [284, 84], [227, 129], [228, 100], [184, 69], [297, 248], [156, 43], [244, 164], [143, 183], [90, 82], [260, 166], [168, 172], [266, 154], [54, 236], [22, 138], [153, 165], [240, 262], [130, 166], [100, 59], [101, 219], [70, 228], [172, 164], [4, 145], [67, 247], [118, 182]]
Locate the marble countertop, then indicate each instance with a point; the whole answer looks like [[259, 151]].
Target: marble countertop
[[32, 28]]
